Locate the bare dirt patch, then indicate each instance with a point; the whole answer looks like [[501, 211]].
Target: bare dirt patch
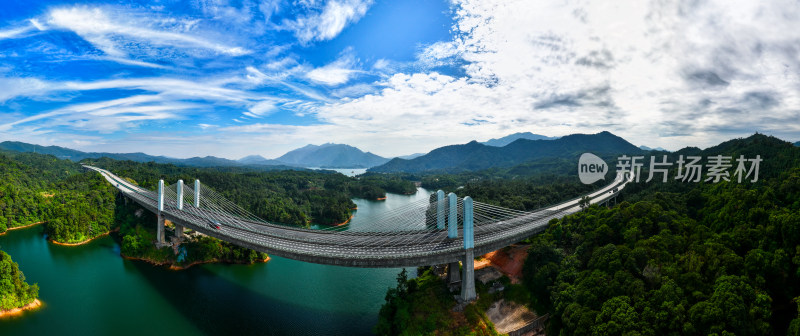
[[508, 260]]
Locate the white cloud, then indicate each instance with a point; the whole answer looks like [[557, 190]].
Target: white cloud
[[438, 53], [688, 73], [105, 116], [327, 22], [261, 109], [663, 74], [381, 64], [22, 87], [15, 32], [114, 31], [335, 73]]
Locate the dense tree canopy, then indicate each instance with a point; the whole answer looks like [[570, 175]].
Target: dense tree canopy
[[14, 291], [676, 258], [679, 258], [290, 197]]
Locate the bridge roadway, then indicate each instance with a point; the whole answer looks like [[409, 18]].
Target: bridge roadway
[[356, 249]]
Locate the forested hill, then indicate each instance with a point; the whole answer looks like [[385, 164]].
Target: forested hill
[[14, 291], [675, 258], [679, 258], [475, 156], [289, 197], [36, 188], [76, 205]]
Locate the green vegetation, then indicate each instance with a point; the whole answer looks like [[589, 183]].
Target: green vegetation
[[76, 205], [37, 188], [137, 234], [82, 208], [14, 291], [679, 258], [650, 268], [289, 197], [389, 182], [672, 259], [423, 306]]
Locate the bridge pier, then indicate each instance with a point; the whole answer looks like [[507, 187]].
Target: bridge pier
[[468, 283], [160, 231], [453, 273], [468, 280]]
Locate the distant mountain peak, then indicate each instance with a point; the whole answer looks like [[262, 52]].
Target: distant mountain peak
[[331, 155], [514, 137], [643, 147], [253, 157]]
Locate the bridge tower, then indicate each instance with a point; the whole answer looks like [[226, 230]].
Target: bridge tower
[[179, 228], [468, 281], [453, 275], [440, 209], [160, 226], [196, 193]]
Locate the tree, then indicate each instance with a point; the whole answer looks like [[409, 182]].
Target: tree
[[584, 202]]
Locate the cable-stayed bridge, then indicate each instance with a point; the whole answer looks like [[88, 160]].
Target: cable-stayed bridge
[[447, 229]]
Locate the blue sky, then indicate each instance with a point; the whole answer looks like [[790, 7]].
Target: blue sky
[[235, 78]]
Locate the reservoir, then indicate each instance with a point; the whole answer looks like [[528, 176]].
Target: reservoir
[[90, 289]]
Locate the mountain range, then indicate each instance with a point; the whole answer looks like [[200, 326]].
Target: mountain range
[[325, 156], [332, 156], [76, 155], [513, 137], [476, 156], [523, 148]]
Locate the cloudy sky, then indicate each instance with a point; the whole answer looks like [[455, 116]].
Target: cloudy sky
[[234, 78]]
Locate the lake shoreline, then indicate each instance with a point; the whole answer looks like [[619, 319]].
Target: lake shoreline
[[85, 241], [21, 227], [173, 267], [19, 310]]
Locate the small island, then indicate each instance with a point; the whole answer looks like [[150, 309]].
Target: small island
[[16, 296], [137, 235]]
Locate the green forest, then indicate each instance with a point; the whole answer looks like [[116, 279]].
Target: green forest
[[73, 205], [671, 258], [14, 291], [137, 234], [76, 205], [297, 197]]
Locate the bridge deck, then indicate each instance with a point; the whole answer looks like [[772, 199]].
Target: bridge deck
[[356, 249]]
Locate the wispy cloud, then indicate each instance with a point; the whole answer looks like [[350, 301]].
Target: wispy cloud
[[335, 73], [106, 116], [261, 109], [240, 74], [16, 32], [327, 21], [115, 34]]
